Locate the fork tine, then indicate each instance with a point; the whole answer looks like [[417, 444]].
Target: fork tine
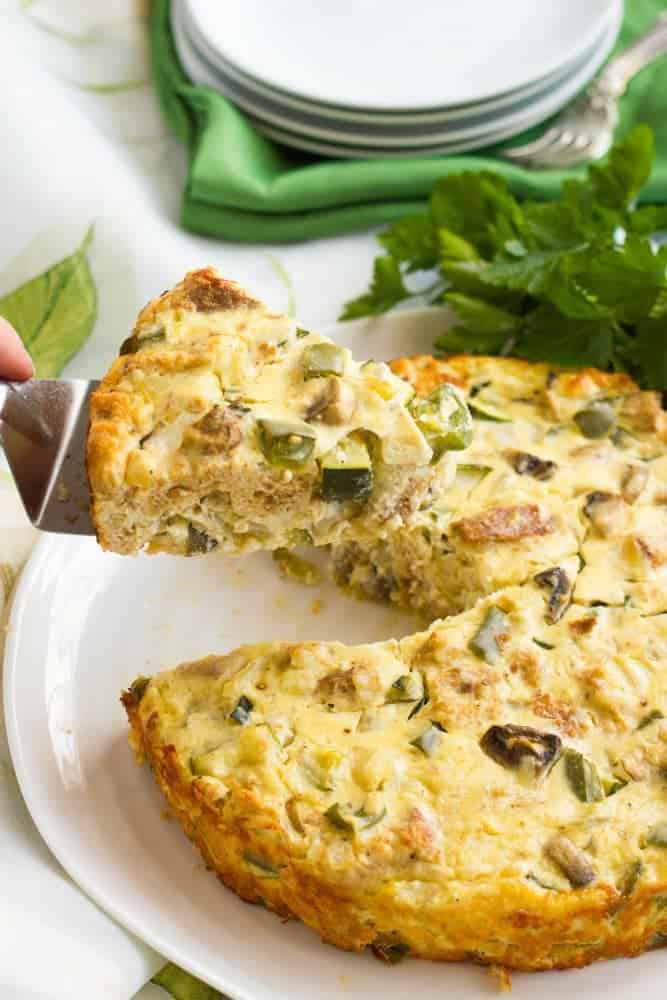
[[534, 148], [567, 156]]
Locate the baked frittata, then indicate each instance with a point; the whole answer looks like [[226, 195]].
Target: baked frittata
[[490, 789], [224, 424], [561, 464]]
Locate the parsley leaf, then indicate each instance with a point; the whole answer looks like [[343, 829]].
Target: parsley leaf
[[618, 183], [387, 290], [412, 241], [575, 282]]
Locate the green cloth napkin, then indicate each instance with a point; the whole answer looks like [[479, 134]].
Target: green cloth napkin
[[244, 187]]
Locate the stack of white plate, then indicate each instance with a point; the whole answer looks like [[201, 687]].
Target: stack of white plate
[[368, 78]]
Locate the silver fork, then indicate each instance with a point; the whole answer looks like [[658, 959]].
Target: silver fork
[[585, 130]]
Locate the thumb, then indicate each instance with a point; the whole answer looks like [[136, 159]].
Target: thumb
[[15, 362]]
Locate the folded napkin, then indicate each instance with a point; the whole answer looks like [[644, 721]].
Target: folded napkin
[[242, 186]]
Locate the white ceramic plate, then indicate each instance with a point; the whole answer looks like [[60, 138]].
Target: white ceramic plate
[[83, 625], [501, 130], [389, 55], [477, 127], [206, 61]]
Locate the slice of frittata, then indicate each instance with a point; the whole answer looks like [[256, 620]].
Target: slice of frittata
[[224, 424], [561, 464], [492, 788]]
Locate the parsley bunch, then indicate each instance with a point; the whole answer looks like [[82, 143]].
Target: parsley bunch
[[574, 282]]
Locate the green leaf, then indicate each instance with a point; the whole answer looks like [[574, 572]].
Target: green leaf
[[54, 313], [529, 274], [182, 986], [454, 248], [387, 289], [574, 282], [617, 183], [477, 207], [412, 241], [648, 219], [467, 276], [626, 279], [482, 318], [650, 353], [547, 336]]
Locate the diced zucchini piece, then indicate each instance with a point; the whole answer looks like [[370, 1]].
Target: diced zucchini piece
[[133, 343], [407, 687], [468, 477], [428, 741], [370, 814], [486, 412], [485, 642], [630, 877], [444, 420], [289, 445], [323, 359], [611, 787], [259, 866], [596, 420], [337, 818], [347, 472], [583, 777], [241, 713]]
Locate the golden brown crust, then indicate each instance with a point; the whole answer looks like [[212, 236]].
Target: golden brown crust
[[514, 922], [504, 524], [425, 372], [199, 291], [116, 415]]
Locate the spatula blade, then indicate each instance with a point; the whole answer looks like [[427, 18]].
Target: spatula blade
[[43, 432]]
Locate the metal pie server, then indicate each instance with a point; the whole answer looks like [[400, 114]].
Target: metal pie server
[[43, 428]]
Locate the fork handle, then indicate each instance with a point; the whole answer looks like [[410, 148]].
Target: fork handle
[[642, 52]]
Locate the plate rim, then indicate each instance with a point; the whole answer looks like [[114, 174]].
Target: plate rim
[[437, 115], [510, 124], [418, 138], [583, 42]]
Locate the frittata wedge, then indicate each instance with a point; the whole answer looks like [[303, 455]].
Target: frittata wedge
[[223, 424], [492, 788], [561, 464]]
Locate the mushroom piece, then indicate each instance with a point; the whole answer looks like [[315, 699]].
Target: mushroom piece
[[634, 480], [559, 583], [513, 746], [333, 402], [605, 511], [572, 861], [526, 464]]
